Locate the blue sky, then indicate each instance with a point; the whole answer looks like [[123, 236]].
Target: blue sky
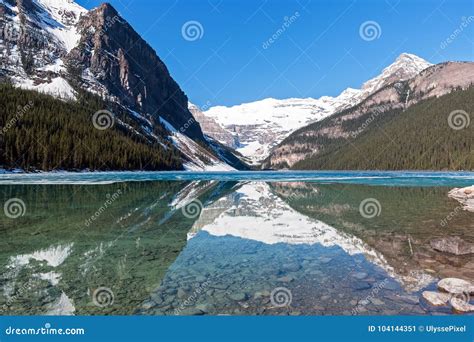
[[320, 51]]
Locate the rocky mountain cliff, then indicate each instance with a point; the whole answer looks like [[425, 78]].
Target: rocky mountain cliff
[[113, 59], [59, 48], [212, 128]]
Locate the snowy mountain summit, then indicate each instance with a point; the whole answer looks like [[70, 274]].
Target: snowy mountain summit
[[259, 126]]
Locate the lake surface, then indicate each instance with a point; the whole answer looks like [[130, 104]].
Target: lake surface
[[267, 243]]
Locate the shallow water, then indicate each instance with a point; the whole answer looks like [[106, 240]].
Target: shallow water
[[100, 244]]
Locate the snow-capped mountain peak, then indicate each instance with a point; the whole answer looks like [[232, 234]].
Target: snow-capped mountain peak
[[259, 126], [405, 66]]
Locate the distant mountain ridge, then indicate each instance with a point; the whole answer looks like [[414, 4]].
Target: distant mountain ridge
[[417, 118], [258, 127]]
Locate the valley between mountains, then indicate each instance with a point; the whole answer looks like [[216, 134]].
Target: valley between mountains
[[81, 90]]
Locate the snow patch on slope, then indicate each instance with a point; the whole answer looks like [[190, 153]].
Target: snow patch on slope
[[58, 87], [198, 158], [61, 19]]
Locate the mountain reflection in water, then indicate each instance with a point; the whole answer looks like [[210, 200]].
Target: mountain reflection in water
[[226, 247]]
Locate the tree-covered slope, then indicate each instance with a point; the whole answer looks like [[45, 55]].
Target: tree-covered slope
[[41, 132], [419, 138], [333, 143]]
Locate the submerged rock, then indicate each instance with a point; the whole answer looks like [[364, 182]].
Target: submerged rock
[[261, 294], [219, 286], [205, 308], [359, 275], [436, 298], [377, 302], [294, 267], [325, 260], [238, 296], [191, 312], [456, 286], [181, 294], [452, 244], [391, 285], [286, 279], [361, 285], [409, 299]]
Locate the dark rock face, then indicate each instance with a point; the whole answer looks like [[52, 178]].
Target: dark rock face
[[124, 64], [212, 129]]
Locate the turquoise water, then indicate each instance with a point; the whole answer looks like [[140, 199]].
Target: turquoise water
[[349, 177], [289, 243]]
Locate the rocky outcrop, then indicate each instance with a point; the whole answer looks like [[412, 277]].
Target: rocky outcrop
[[436, 298], [211, 128], [465, 196], [456, 286], [455, 292], [461, 306], [453, 245], [441, 79]]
